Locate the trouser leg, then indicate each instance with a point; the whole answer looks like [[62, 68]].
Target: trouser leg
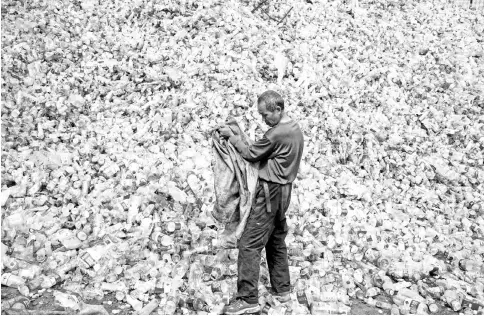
[[276, 253], [259, 227]]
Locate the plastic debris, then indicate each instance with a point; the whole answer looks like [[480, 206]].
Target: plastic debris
[[107, 185]]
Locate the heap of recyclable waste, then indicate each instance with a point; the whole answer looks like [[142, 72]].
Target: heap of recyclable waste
[[107, 185]]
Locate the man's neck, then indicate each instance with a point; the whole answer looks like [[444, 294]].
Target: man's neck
[[284, 119]]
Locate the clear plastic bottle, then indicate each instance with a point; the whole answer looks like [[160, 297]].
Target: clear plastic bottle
[[91, 292], [19, 302], [404, 294], [72, 242], [372, 292], [180, 269], [29, 272], [273, 310], [218, 271], [50, 280], [325, 308], [114, 287], [378, 303], [172, 226], [454, 299], [67, 300], [471, 266], [267, 297], [171, 305], [136, 304], [11, 280], [35, 283], [148, 308], [195, 275], [89, 257]]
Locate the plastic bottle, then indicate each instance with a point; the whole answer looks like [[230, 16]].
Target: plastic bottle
[[19, 302], [13, 263], [454, 299], [66, 300], [71, 242], [119, 286], [137, 305], [389, 287], [171, 227], [301, 295], [145, 286], [408, 295], [201, 303], [35, 283], [91, 292], [273, 310], [92, 255], [148, 308], [180, 269], [473, 306], [50, 280], [29, 272], [372, 292], [195, 274], [41, 255], [11, 280], [325, 308], [66, 267], [378, 303], [133, 210], [170, 305], [471, 266], [218, 271]]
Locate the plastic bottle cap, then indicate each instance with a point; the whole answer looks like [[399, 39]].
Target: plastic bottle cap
[[456, 306], [433, 308], [82, 235]]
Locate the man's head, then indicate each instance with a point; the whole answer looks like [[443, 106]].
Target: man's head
[[271, 106]]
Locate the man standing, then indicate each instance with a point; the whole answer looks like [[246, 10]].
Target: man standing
[[279, 153]]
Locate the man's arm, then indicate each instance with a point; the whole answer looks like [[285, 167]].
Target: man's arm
[[258, 151]]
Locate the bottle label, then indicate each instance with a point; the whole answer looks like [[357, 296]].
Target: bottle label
[[405, 273], [87, 260], [302, 298], [471, 305], [412, 305], [216, 287], [265, 310]]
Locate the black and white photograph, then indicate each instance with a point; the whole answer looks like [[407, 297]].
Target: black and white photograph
[[242, 157]]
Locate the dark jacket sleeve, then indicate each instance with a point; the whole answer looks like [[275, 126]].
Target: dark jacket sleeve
[[258, 151]]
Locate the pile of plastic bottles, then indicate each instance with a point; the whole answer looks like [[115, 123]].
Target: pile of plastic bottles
[[170, 253], [106, 179]]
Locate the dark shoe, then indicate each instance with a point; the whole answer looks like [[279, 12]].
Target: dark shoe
[[282, 297], [240, 307]]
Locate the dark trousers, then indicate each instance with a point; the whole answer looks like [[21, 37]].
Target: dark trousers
[[266, 227]]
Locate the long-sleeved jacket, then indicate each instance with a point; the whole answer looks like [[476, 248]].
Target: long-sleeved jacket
[[279, 152]]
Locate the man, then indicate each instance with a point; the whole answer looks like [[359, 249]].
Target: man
[[279, 153]]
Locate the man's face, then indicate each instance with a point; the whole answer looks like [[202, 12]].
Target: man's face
[[270, 118]]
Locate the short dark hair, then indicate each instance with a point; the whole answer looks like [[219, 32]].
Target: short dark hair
[[271, 99]]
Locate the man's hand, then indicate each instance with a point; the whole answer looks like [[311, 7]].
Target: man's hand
[[225, 132]]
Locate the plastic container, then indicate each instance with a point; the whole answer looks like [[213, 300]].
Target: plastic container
[[11, 280]]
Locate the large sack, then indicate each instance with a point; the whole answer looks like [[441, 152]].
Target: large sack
[[235, 183]]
